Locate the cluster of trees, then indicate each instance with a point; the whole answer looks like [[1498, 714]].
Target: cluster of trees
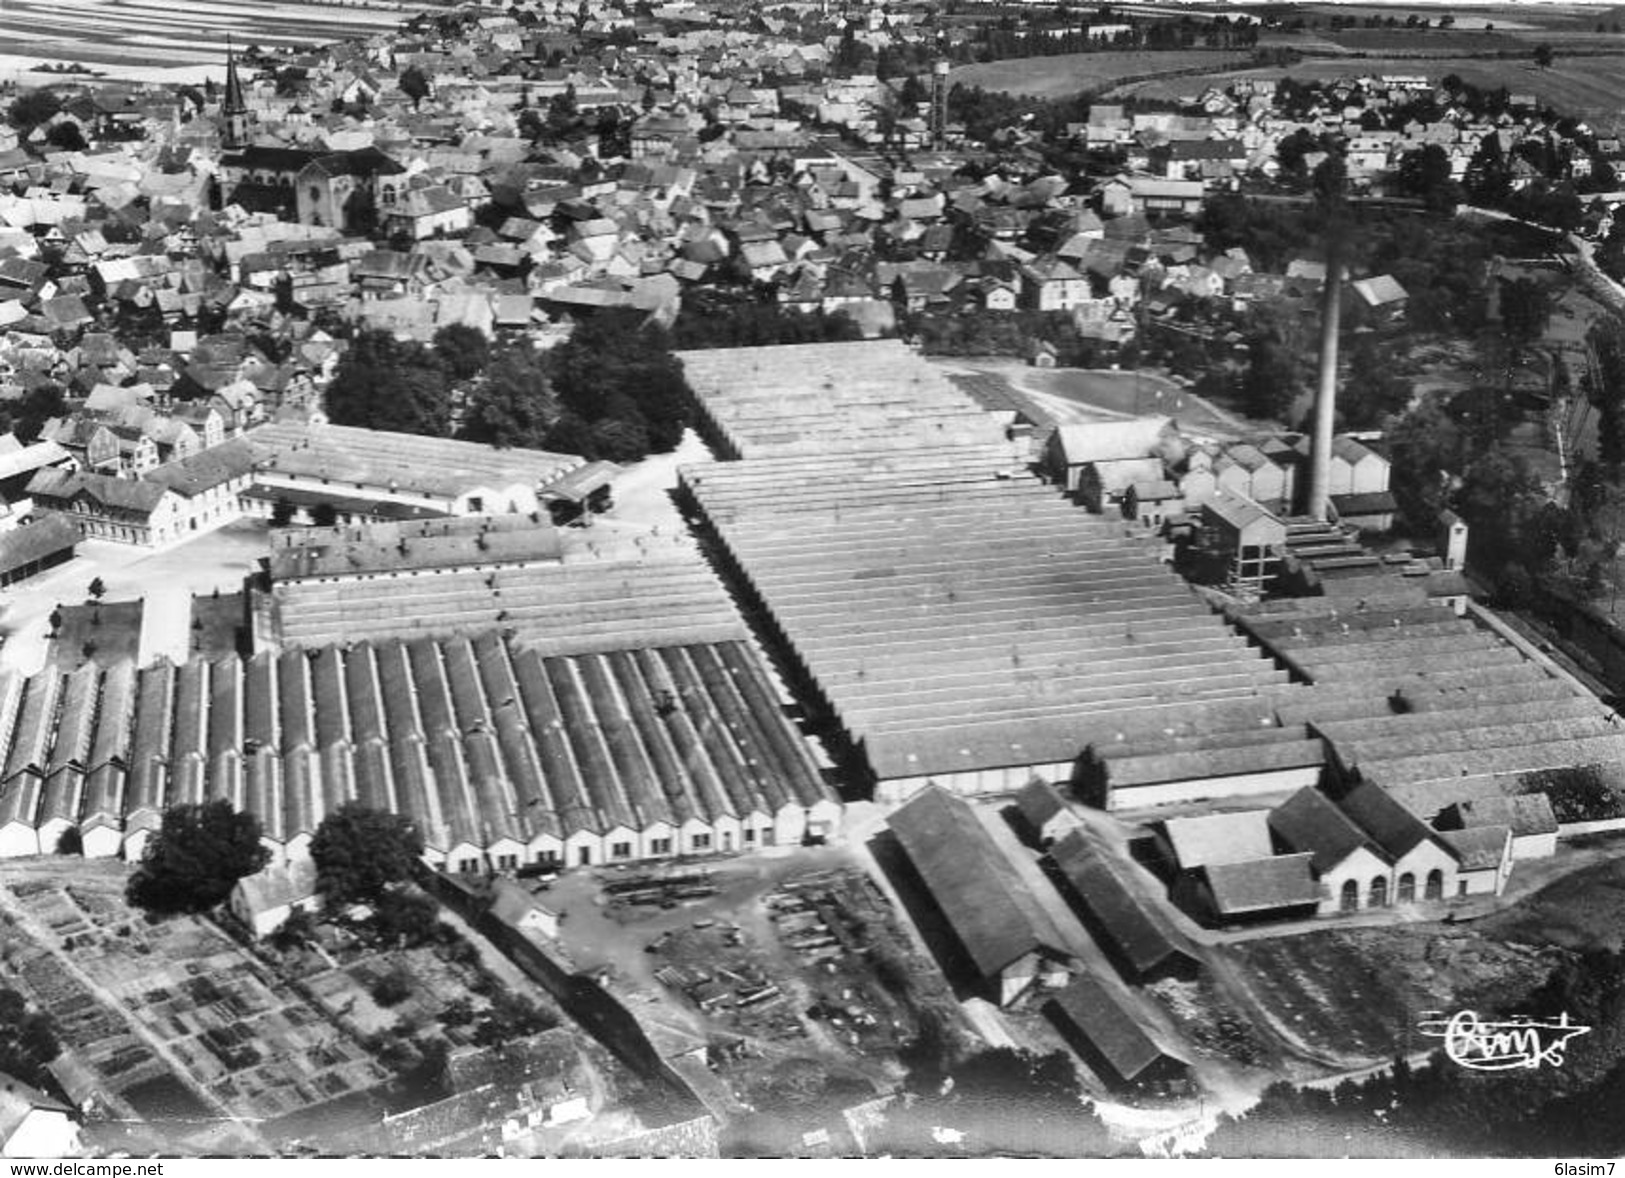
[[1017, 333], [612, 390], [715, 319], [1447, 1110], [35, 107], [27, 415], [1455, 454], [27, 1040], [621, 392]]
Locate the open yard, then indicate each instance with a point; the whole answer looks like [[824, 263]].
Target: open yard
[[1066, 74], [1354, 997], [1584, 909], [790, 975]]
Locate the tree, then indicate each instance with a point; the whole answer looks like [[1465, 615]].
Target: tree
[[1526, 309], [405, 918], [324, 515], [414, 84], [282, 512], [31, 109], [197, 856], [27, 1040], [360, 853], [392, 989], [1543, 56], [563, 111], [66, 136], [913, 93], [463, 350]]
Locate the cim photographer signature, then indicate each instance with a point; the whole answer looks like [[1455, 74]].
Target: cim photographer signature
[[1517, 1042]]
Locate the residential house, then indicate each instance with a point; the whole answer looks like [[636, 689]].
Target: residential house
[[1049, 284]]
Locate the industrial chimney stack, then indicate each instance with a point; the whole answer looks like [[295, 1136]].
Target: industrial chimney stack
[[1320, 454], [939, 105]]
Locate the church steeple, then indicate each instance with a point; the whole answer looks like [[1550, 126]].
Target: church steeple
[[234, 109]]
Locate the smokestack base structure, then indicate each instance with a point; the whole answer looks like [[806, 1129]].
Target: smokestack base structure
[[939, 105], [1320, 454]]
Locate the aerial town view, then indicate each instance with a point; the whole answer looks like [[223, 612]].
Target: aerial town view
[[826, 579]]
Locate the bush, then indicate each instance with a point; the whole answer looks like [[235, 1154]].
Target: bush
[[392, 989]]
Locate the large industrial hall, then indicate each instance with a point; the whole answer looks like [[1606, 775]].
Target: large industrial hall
[[501, 756], [958, 622]]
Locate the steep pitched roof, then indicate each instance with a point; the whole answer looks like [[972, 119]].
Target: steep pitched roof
[[973, 883], [1389, 824], [1138, 938], [1478, 848], [1310, 821], [1113, 1030]]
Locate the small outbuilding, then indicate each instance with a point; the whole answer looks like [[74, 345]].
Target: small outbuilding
[[264, 900], [1045, 812], [1528, 816]]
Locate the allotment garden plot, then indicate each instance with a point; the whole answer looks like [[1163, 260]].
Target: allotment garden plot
[[176, 1021]]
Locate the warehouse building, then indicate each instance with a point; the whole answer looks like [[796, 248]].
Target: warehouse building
[[500, 755], [1114, 1044], [1137, 943], [954, 617], [667, 597], [353, 465], [1007, 937], [1439, 710]]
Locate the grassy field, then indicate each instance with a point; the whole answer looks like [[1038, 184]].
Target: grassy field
[[111, 632], [131, 38], [1585, 909], [217, 625], [1356, 995], [1066, 74]]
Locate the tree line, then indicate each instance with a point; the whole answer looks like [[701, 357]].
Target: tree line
[[612, 390]]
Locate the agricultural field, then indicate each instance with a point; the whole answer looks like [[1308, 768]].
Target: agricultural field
[[1066, 74], [1520, 17], [124, 38], [1353, 997]]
